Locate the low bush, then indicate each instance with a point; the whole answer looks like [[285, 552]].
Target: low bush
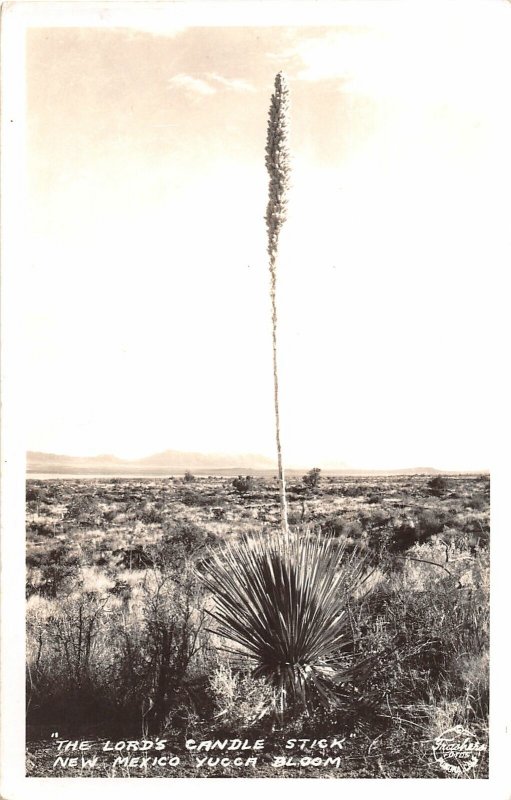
[[438, 485], [240, 700], [243, 484], [150, 515], [196, 498], [41, 527], [181, 540], [99, 657], [436, 639]]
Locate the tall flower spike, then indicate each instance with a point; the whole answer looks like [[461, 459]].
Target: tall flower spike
[[278, 166]]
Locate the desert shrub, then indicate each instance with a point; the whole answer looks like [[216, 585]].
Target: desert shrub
[[312, 478], [196, 498], [149, 514], [133, 558], [182, 540], [59, 569], [41, 527], [471, 531], [240, 700], [375, 519], [171, 635], [280, 599], [333, 525], [429, 523], [43, 491], [295, 516], [188, 477], [66, 646], [296, 490], [406, 534], [478, 501], [340, 525], [185, 532], [34, 493], [84, 512], [438, 485], [354, 529], [373, 498], [352, 490], [243, 484], [114, 657], [432, 644], [110, 514]]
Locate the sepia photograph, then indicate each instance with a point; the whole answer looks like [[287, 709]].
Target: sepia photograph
[[252, 283]]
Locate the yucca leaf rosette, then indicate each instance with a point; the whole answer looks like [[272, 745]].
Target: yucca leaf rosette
[[281, 603]]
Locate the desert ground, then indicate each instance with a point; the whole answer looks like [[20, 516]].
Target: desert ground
[[121, 644]]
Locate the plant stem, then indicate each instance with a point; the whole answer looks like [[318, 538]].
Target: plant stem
[[278, 166], [280, 467]]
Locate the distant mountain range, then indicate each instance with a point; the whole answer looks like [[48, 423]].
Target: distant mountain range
[[174, 462], [167, 463]]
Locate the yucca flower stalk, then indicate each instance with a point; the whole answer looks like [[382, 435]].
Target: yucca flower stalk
[[278, 166], [281, 602]]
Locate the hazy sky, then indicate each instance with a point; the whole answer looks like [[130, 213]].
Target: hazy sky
[[147, 285]]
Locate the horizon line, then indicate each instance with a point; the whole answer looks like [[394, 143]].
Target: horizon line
[[329, 466]]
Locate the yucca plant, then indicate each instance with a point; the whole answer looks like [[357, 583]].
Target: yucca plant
[[281, 602]]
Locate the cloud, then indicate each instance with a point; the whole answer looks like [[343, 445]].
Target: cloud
[[195, 85], [236, 84], [210, 84]]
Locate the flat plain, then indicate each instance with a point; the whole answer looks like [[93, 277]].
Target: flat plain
[[121, 644]]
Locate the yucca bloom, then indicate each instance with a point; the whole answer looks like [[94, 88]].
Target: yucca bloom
[[281, 601], [279, 167]]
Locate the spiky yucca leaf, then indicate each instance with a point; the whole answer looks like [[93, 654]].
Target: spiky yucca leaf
[[281, 600]]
